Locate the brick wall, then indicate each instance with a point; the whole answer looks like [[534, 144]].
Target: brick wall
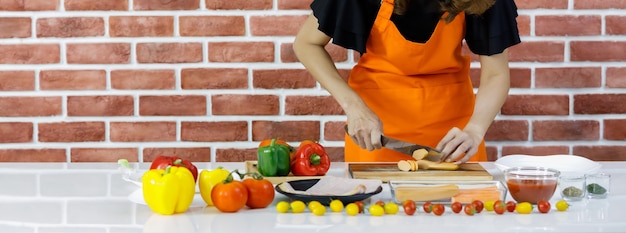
[[94, 80]]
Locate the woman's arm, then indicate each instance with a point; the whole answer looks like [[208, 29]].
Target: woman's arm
[[365, 127], [492, 92]]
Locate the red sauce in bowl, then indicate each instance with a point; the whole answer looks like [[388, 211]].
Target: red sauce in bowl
[[533, 191]]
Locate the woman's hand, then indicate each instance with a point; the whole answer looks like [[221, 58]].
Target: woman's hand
[[459, 146], [365, 128]]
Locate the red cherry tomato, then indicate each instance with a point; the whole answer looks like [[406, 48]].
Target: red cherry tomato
[[543, 206], [469, 209], [499, 207], [479, 205], [260, 192], [361, 206], [456, 207], [438, 209], [428, 207], [409, 207], [510, 206], [380, 203]]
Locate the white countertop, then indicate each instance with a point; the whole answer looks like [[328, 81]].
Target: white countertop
[[93, 197]]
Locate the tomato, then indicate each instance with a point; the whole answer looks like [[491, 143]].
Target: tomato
[[352, 209], [391, 208], [230, 195], [380, 203], [336, 205], [438, 209], [510, 206], [499, 207], [283, 207], [361, 206], [377, 210], [478, 205], [428, 207], [456, 207], [562, 205], [298, 206], [469, 209], [543, 206], [260, 192], [409, 207], [524, 208], [489, 205]]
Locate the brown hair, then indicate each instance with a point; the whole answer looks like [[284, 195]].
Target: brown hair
[[453, 7]]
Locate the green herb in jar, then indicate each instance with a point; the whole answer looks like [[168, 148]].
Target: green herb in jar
[[596, 189], [572, 192]]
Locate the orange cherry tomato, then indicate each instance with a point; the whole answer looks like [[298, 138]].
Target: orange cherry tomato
[[499, 207], [260, 192], [361, 206], [469, 209], [230, 195], [438, 209], [409, 207]]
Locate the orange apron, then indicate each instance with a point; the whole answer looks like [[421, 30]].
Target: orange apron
[[418, 90]]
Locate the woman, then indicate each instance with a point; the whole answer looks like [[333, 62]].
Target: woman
[[411, 81]]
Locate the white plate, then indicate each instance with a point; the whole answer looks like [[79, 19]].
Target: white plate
[[566, 164], [137, 197]]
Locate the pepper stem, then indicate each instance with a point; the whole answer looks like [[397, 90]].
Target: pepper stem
[[315, 159], [178, 162], [168, 169]]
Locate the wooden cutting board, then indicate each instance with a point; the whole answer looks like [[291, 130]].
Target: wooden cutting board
[[390, 171], [251, 166]]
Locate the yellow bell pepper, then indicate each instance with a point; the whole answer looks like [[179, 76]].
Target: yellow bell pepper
[[208, 180], [168, 191]]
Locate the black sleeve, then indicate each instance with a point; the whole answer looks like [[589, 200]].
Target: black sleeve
[[348, 22], [493, 31]]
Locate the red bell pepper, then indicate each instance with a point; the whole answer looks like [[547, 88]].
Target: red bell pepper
[[311, 159], [162, 161]]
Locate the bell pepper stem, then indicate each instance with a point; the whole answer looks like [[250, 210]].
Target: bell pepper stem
[[315, 159]]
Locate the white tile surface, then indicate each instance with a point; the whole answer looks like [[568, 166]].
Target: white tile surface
[[31, 211], [120, 187], [77, 184], [126, 230], [72, 230], [16, 229], [91, 212], [18, 185]]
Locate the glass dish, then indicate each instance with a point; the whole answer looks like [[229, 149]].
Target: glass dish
[[447, 192]]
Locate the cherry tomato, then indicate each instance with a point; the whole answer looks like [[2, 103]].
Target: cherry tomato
[[380, 203], [469, 209], [230, 195], [377, 210], [524, 208], [510, 206], [438, 209], [428, 207], [543, 206], [409, 207], [478, 205], [562, 205], [499, 207], [260, 192], [456, 207], [361, 206]]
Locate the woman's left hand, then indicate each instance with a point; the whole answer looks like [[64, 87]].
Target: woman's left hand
[[459, 146]]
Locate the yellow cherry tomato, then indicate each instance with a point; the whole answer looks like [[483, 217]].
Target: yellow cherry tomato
[[391, 208], [376, 210], [489, 205], [524, 208], [336, 206], [562, 205], [297, 206], [282, 207], [352, 209], [319, 210], [313, 204]]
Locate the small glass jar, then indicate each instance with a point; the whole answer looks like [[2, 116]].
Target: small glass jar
[[572, 187], [598, 185]]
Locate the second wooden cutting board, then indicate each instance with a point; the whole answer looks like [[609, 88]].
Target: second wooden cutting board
[[390, 171]]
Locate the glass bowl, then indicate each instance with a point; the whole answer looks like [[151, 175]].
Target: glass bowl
[[531, 184]]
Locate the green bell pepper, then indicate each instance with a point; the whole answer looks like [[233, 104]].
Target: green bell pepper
[[274, 159]]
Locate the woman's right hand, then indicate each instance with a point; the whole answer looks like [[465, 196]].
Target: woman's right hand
[[365, 129]]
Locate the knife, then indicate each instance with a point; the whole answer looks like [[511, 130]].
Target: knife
[[408, 148]]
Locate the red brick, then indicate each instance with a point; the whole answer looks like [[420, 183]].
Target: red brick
[[492, 153], [214, 78], [598, 50], [333, 131], [179, 105], [239, 4], [214, 131], [534, 150], [312, 105], [100, 106], [538, 4], [72, 80], [602, 153], [508, 130], [71, 132], [568, 25], [599, 4], [169, 52], [337, 53], [15, 132], [143, 79], [70, 27], [566, 130], [287, 130], [523, 25], [96, 5], [29, 5], [15, 27], [17, 80], [536, 105], [570, 77], [166, 5], [599, 103], [616, 77], [538, 51], [615, 129], [284, 25], [196, 154], [157, 131], [103, 154], [141, 26], [230, 104], [30, 106], [212, 26], [33, 155], [519, 77], [241, 52], [30, 53], [235, 155], [282, 79], [100, 53], [615, 25], [294, 4]]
